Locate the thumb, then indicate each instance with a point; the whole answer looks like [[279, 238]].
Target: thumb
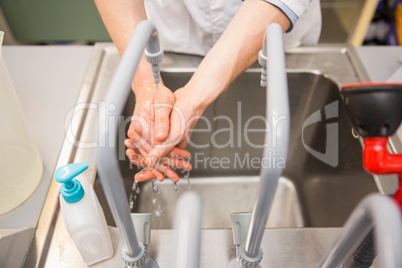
[[162, 114], [160, 150]]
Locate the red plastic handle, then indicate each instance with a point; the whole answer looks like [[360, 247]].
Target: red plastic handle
[[377, 159]]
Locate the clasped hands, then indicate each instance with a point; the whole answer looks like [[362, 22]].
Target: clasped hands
[[160, 130]]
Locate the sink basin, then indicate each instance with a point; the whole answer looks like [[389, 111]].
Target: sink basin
[[322, 182], [226, 159]]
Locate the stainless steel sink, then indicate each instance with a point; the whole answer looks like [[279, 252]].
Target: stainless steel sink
[[311, 193]]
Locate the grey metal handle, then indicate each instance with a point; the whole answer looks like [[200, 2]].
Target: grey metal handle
[[187, 224], [375, 211], [276, 138], [145, 34], [240, 226]]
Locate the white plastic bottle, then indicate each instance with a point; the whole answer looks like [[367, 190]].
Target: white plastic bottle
[[21, 166], [83, 215]]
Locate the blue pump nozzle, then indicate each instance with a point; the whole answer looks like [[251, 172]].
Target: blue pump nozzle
[[71, 190]]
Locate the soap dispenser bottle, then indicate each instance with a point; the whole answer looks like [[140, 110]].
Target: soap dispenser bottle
[[82, 214]]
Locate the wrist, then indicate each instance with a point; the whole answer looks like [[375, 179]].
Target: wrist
[[143, 79], [206, 87], [200, 95], [142, 87]]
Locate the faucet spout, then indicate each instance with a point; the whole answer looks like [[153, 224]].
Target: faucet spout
[[144, 36], [276, 142], [375, 211]]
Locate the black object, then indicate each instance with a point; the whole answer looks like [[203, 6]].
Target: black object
[[365, 254], [381, 24], [374, 109]]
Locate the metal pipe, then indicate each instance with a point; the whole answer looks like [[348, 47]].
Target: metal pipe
[[187, 225], [378, 212], [145, 34], [276, 138]]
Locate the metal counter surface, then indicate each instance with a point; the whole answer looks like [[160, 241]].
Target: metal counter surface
[[47, 80]]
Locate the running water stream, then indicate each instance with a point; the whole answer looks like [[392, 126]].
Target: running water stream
[[157, 93], [156, 191], [135, 191]]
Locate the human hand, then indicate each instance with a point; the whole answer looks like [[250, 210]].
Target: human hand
[[183, 118], [151, 115]]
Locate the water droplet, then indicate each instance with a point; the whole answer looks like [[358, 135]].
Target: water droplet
[[157, 213], [155, 188], [135, 191], [176, 187], [187, 177], [158, 210]]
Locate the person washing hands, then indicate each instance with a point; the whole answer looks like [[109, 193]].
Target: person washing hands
[[229, 33]]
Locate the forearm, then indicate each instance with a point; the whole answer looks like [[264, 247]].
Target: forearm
[[120, 18], [236, 50]]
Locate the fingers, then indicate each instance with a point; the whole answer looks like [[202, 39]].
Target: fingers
[[140, 128], [176, 163], [137, 127], [174, 153], [147, 174], [169, 172], [141, 138], [176, 134], [144, 175], [144, 148], [160, 168], [136, 141], [179, 153], [136, 158], [155, 154]]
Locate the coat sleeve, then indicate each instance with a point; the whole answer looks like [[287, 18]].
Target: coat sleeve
[[293, 9]]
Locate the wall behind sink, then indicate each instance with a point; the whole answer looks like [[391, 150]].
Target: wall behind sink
[[338, 19], [49, 21]]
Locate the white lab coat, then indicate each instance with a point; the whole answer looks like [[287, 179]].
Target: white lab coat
[[194, 26]]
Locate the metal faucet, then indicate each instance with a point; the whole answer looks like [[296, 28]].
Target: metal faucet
[[378, 212], [276, 142], [146, 37]]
